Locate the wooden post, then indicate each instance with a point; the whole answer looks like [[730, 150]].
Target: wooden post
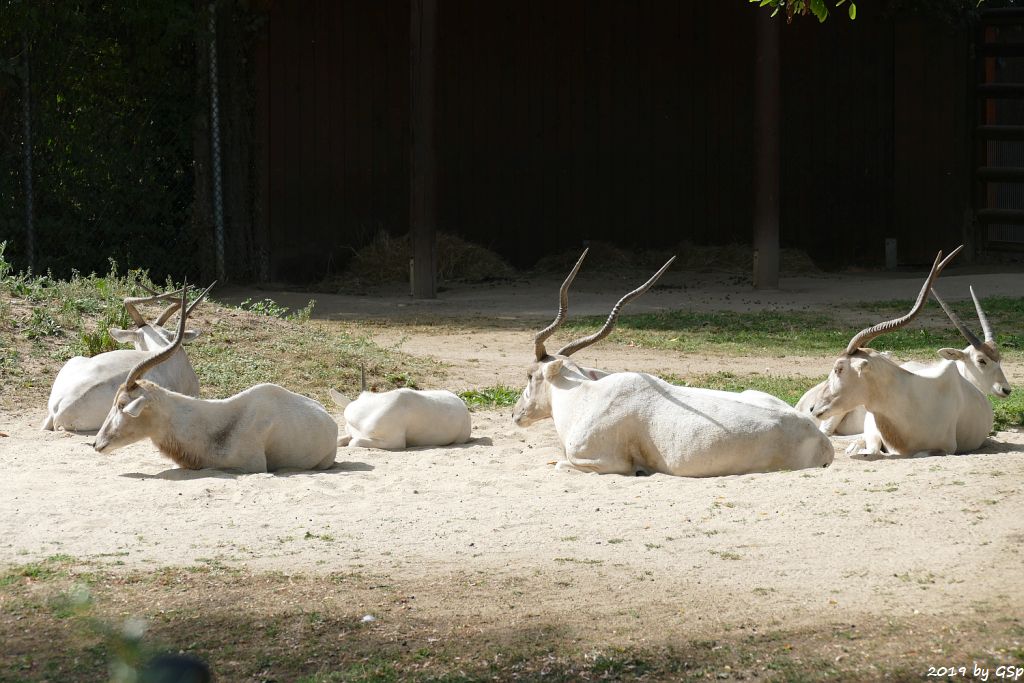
[[767, 127], [423, 180], [26, 93]]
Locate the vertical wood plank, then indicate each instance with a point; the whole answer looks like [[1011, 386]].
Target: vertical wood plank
[[767, 127], [422, 204]]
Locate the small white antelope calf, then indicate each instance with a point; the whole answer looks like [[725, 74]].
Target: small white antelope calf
[[263, 428], [403, 418], [626, 422], [980, 363], [84, 387], [907, 412]]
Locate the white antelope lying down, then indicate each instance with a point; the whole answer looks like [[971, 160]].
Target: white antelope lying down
[[84, 387], [907, 412], [403, 418], [980, 363], [626, 422], [260, 429]]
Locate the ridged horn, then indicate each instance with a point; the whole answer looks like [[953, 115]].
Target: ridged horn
[[863, 337], [163, 354], [563, 308], [169, 311], [609, 325], [131, 302], [971, 338], [986, 329]]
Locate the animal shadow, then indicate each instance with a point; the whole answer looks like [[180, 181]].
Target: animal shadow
[[876, 457], [996, 446], [180, 474], [990, 447]]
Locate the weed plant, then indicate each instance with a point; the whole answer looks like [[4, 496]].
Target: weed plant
[[44, 321]]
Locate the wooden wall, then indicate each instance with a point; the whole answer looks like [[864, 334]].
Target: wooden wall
[[338, 168], [602, 120], [592, 119]]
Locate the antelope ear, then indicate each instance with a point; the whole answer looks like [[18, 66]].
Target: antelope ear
[[951, 354], [134, 409], [123, 336], [552, 368], [190, 335], [859, 365]]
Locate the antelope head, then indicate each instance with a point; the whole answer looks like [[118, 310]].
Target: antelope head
[[153, 336], [129, 419], [849, 383], [981, 360], [535, 402]]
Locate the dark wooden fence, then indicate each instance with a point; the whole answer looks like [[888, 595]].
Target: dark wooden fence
[[630, 122]]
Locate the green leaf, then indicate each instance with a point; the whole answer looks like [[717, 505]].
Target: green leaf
[[853, 10], [819, 9]]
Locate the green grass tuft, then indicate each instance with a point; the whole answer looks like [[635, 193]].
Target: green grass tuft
[[490, 397], [1009, 412], [46, 319], [789, 389], [785, 333]]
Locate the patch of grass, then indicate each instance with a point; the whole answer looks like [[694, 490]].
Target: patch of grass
[[1009, 412], [784, 333], [48, 569], [789, 389], [726, 554], [490, 397], [269, 626], [51, 320], [271, 308]]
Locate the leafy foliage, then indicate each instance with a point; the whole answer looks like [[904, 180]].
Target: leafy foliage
[[819, 8], [112, 104], [953, 11]]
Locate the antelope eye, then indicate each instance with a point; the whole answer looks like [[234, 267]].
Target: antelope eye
[[982, 361]]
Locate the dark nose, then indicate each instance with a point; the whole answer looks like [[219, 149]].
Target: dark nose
[[1007, 392]]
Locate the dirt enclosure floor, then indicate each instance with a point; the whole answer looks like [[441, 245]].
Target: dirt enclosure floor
[[926, 552]]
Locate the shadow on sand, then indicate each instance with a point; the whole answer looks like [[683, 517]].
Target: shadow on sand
[[179, 474], [992, 446]]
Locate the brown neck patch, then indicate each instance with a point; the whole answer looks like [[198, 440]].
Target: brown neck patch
[[891, 435], [177, 452]]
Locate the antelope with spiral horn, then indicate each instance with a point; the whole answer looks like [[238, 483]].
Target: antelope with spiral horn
[[908, 413], [263, 428], [631, 422], [85, 386], [980, 363]]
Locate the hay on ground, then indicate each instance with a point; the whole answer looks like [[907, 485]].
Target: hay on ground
[[386, 260]]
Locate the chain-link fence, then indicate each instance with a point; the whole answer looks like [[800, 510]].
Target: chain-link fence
[[103, 114]]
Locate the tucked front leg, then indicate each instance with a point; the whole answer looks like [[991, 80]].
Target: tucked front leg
[[605, 464], [872, 437], [360, 440], [598, 453]]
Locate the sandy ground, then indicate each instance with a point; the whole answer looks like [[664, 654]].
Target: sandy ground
[[888, 538], [892, 537], [593, 294]]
